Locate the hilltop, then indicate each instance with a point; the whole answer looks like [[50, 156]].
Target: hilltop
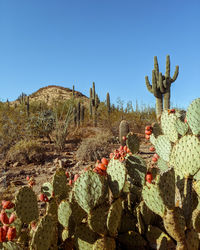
[[51, 93]]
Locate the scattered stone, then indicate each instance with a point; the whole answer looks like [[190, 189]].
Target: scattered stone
[[16, 164]]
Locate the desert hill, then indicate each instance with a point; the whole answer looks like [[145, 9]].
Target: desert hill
[[51, 93]]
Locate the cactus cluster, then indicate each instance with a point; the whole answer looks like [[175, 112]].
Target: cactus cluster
[[130, 206], [174, 194]]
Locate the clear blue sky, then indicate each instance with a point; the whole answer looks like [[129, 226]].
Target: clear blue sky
[[110, 42]]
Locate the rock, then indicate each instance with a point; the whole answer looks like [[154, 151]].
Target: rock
[[16, 164]]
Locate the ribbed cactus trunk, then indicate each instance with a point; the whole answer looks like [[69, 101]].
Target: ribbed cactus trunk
[[159, 104], [166, 104]]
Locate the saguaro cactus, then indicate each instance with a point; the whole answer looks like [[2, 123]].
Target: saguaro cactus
[[94, 104], [108, 103], [161, 85]]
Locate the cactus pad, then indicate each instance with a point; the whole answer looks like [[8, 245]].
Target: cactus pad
[[168, 126], [84, 237], [158, 239], [193, 116], [59, 184], [163, 147], [105, 243], [136, 170], [47, 189], [114, 217], [133, 142], [42, 237], [90, 190], [185, 156], [174, 223], [152, 197], [64, 213], [116, 176], [26, 205], [97, 219], [162, 165]]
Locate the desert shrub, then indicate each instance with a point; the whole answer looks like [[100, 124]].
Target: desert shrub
[[12, 127], [94, 148], [41, 124], [63, 118], [26, 151]]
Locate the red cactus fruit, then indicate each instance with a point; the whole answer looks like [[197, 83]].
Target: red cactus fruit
[[154, 159], [7, 204], [148, 132], [3, 217], [12, 218], [152, 149], [156, 156], [27, 178], [101, 166], [124, 138], [67, 174], [70, 182], [148, 128], [147, 137], [104, 161], [43, 197], [149, 177], [125, 148], [2, 235], [120, 148], [11, 234], [185, 120], [76, 177]]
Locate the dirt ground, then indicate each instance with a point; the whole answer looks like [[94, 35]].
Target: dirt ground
[[13, 177]]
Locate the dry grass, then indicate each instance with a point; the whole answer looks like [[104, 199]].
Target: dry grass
[[26, 151], [95, 147]]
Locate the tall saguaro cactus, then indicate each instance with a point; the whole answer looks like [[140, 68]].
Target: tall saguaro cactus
[[161, 85], [167, 83], [94, 103]]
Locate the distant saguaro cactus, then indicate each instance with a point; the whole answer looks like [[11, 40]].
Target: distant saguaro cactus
[[94, 104], [108, 103], [161, 85], [123, 131]]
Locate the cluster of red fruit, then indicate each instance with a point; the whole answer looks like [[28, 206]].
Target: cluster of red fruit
[[101, 167], [120, 153], [7, 231], [31, 180], [171, 111], [72, 178], [148, 131]]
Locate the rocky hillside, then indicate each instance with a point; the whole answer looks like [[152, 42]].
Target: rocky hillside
[[52, 93]]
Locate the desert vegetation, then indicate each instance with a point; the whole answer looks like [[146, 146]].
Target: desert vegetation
[[135, 181]]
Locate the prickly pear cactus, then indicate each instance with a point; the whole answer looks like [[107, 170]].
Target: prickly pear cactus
[[123, 131], [90, 190], [97, 219], [193, 116], [105, 243], [116, 176], [114, 217], [85, 237], [47, 189], [26, 205], [59, 183], [42, 237], [133, 142]]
